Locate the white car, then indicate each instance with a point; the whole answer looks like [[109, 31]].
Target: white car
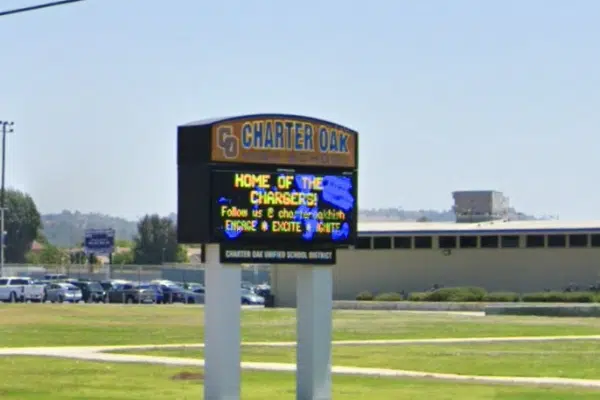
[[15, 289], [164, 282], [63, 292], [251, 298]]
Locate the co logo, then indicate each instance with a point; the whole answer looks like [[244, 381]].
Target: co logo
[[227, 142]]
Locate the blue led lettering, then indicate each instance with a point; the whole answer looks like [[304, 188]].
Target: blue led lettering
[[342, 233], [303, 213], [337, 192], [309, 217], [301, 181], [232, 233]]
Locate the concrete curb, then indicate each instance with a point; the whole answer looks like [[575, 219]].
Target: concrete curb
[[445, 306], [407, 306], [545, 310]]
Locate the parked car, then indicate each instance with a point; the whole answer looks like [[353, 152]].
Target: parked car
[[176, 294], [130, 293], [92, 292], [193, 286], [112, 283], [159, 297], [20, 289], [263, 290], [164, 282], [55, 277], [251, 298], [45, 283], [198, 294], [59, 292]]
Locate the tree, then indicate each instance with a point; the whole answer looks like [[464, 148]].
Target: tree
[[423, 219], [127, 244], [47, 256], [22, 222], [156, 242], [80, 257], [77, 257], [41, 238], [123, 257]]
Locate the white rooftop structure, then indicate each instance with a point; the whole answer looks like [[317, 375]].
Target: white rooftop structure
[[480, 205]]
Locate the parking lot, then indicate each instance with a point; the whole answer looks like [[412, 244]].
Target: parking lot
[[57, 288]]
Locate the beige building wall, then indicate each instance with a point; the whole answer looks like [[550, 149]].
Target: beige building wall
[[518, 270]]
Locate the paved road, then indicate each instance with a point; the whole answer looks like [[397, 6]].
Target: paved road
[[100, 353]]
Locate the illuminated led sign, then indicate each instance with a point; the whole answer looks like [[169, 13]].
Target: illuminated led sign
[[266, 178], [297, 207]]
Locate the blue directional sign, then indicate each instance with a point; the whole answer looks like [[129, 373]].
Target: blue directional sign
[[99, 241]]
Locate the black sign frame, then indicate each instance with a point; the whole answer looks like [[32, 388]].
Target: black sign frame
[[195, 165]]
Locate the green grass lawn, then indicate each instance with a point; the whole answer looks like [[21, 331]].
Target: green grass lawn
[[27, 378], [573, 359], [81, 324], [33, 378]]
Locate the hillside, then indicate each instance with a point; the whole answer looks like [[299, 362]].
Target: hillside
[[66, 229]]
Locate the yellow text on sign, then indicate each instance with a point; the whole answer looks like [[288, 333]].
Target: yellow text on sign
[[281, 182]]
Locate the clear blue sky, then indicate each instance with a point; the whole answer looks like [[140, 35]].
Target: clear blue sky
[[446, 95]]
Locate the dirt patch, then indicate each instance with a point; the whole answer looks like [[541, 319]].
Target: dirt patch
[[188, 376]]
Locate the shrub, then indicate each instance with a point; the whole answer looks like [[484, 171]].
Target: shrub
[[457, 294], [502, 297], [560, 297], [389, 297], [364, 296], [418, 296]]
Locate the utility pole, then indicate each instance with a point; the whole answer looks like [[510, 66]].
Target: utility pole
[[7, 127]]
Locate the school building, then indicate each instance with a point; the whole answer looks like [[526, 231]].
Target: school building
[[498, 255]]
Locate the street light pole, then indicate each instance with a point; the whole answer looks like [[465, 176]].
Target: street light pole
[[7, 127]]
